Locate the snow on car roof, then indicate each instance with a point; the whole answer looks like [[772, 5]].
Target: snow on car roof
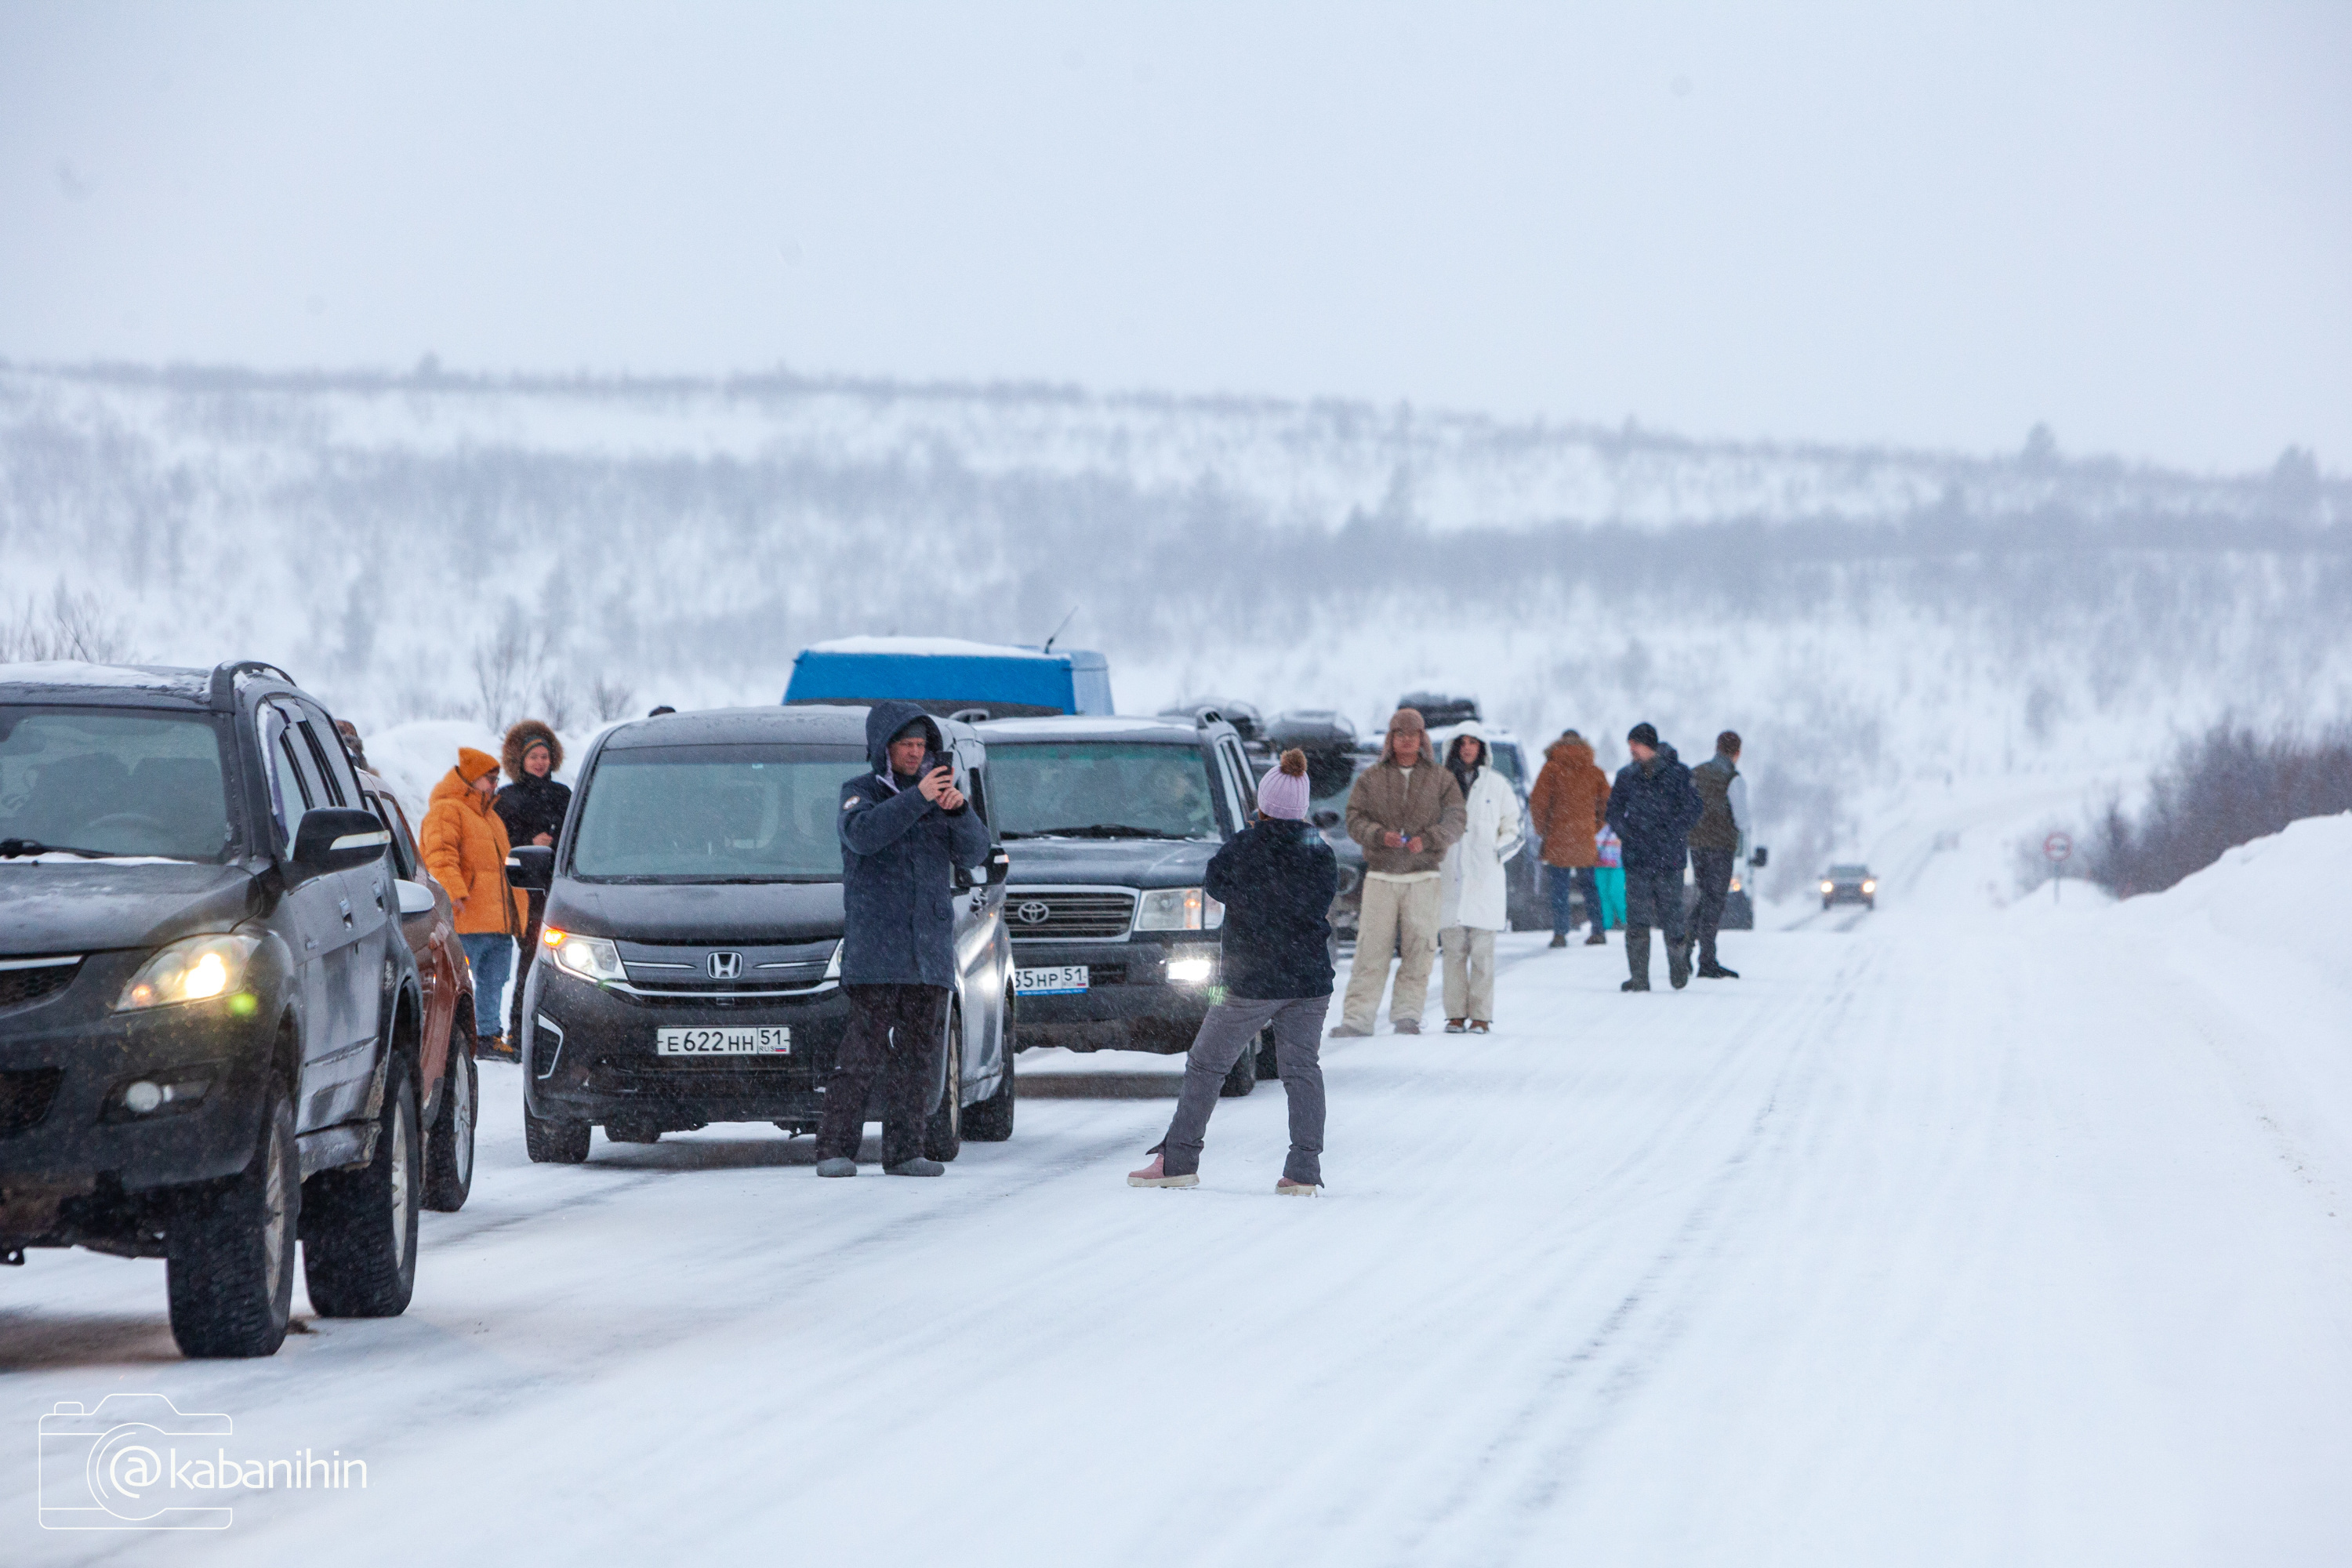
[[1079, 727], [157, 677]]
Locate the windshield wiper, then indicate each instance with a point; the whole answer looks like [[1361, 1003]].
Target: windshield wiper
[[1098, 830], [10, 848]]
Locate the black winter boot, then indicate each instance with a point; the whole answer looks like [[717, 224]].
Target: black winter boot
[[1558, 939], [1637, 958], [1678, 968]]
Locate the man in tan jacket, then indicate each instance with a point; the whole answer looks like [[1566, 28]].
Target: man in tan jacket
[[1405, 810]]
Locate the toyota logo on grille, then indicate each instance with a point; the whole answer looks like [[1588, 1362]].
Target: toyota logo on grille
[[1033, 913], [724, 965]]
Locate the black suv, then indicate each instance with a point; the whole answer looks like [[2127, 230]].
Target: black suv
[[1110, 824], [689, 970], [209, 1023]]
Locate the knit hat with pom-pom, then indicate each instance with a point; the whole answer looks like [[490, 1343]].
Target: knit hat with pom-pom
[[1283, 792]]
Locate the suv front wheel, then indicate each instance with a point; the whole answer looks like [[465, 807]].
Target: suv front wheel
[[229, 1252], [358, 1231]]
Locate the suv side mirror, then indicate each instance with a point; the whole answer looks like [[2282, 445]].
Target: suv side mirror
[[340, 839], [1759, 858], [531, 867], [989, 873]]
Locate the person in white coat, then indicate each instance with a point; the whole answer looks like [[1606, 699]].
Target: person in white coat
[[1472, 898]]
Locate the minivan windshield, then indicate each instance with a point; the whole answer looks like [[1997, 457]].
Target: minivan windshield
[[761, 813], [112, 782], [1100, 789]]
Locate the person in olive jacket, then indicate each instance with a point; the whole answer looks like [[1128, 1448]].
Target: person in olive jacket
[[532, 805], [1277, 879], [905, 827]]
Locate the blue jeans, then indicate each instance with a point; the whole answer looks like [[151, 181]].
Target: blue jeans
[[1560, 879], [491, 955]]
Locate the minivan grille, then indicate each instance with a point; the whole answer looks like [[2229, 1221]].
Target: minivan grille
[[24, 1096], [31, 983], [1067, 914]]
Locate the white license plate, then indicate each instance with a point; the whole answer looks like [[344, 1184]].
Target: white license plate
[[1061, 980], [776, 1041]]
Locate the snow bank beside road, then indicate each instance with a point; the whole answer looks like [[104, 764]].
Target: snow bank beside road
[[2284, 894]]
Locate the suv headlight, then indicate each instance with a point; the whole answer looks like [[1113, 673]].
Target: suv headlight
[[196, 969], [1191, 965], [1178, 908], [592, 958]]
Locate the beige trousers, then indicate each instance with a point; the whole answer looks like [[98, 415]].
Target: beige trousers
[[1469, 974], [1395, 917]]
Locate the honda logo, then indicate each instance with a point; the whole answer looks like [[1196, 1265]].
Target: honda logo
[[1033, 913], [724, 965]]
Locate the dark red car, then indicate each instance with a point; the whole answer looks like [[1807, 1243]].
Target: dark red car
[[451, 1088]]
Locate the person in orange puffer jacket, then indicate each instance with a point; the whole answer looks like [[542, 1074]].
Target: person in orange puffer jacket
[[465, 847]]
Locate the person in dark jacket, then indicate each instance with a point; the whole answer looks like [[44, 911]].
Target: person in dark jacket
[[1652, 808], [905, 827], [1715, 846], [531, 806], [1277, 880]]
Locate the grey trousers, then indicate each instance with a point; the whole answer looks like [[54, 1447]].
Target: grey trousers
[[1224, 1034]]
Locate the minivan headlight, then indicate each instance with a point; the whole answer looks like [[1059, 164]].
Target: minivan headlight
[[1179, 909], [592, 958], [196, 969]]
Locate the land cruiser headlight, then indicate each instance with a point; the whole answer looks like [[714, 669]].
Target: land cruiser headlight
[[1191, 965], [1829, 887], [195, 970], [592, 958], [1178, 908], [1870, 887]]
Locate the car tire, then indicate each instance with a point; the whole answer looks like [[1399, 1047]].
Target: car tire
[[991, 1122], [1826, 902], [554, 1139], [1242, 1077], [449, 1150], [359, 1227], [1266, 1065], [943, 1137], [230, 1251]]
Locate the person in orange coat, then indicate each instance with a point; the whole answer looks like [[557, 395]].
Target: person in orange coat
[[465, 847], [1570, 803]]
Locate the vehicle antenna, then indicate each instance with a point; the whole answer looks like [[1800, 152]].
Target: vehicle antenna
[[1059, 630]]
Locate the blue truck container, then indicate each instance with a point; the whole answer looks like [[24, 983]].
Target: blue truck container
[[948, 676]]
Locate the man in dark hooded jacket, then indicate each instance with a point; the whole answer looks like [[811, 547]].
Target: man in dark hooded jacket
[[905, 827], [1652, 807], [532, 805]]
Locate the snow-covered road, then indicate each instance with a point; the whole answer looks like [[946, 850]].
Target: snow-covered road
[[1948, 1235]]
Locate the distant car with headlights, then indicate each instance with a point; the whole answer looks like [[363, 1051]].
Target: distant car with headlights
[[689, 967], [210, 1027], [1849, 885], [1109, 825]]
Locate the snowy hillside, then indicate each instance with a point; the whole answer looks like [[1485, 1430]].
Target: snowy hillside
[[432, 547]]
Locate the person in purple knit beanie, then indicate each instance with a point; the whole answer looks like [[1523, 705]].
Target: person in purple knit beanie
[[1276, 879]]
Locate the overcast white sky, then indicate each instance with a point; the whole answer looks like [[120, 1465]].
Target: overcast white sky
[[2132, 220]]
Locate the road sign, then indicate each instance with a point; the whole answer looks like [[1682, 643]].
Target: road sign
[[2057, 848]]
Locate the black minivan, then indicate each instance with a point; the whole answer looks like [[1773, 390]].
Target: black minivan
[[690, 967], [210, 1025]]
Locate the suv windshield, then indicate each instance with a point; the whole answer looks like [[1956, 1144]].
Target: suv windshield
[[1105, 789], [113, 781], [714, 814], [1849, 873]]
